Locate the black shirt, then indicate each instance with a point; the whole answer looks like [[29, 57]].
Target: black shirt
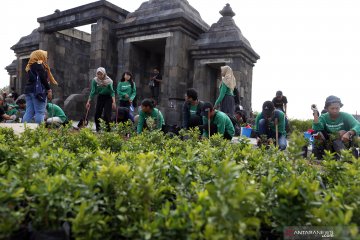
[[36, 69], [157, 76], [279, 103]]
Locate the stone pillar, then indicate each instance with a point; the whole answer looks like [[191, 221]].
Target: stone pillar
[[175, 76], [103, 50]]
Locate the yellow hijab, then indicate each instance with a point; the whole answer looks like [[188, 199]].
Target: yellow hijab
[[40, 57]]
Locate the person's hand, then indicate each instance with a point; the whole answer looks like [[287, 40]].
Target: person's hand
[[49, 95], [346, 137], [126, 96], [87, 105], [130, 101], [114, 106], [217, 106]]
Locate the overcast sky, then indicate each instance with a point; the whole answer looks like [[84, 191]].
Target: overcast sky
[[309, 49]]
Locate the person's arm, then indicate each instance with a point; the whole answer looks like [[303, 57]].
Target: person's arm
[[223, 89], [285, 105], [205, 130], [133, 93], [6, 117], [185, 110], [257, 121], [160, 120], [158, 78], [319, 122], [353, 123], [281, 122], [141, 122], [93, 90]]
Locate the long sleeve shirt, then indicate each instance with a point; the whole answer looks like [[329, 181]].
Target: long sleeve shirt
[[144, 119], [224, 90], [102, 90], [124, 88], [222, 122], [54, 110], [344, 122]]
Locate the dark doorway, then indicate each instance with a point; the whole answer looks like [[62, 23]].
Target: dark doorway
[[145, 55], [214, 77]]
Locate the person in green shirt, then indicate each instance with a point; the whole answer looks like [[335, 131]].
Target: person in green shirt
[[226, 99], [55, 115], [219, 122], [265, 124], [149, 117], [191, 116], [126, 90], [335, 128], [102, 86]]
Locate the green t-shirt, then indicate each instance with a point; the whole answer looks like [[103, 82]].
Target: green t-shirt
[[281, 124], [344, 122], [12, 109], [224, 90], [223, 123], [193, 109], [54, 110], [154, 120], [103, 90], [124, 88]]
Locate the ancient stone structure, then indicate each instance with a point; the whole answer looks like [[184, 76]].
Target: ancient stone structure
[[169, 34]]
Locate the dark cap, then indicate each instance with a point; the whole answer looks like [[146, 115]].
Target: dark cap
[[268, 108], [207, 106], [279, 93], [332, 99]]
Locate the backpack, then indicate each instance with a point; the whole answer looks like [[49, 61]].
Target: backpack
[[39, 89]]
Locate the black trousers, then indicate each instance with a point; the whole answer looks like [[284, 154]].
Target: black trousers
[[103, 111], [213, 130], [155, 94], [124, 103]]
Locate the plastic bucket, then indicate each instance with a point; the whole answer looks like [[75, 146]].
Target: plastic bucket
[[246, 132], [308, 136]]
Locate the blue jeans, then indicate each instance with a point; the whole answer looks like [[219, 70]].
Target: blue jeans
[[34, 109], [264, 129]]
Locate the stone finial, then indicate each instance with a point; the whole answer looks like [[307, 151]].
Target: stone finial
[[227, 11], [57, 11]]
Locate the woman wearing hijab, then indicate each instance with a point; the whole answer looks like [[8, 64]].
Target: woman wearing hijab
[[37, 68], [226, 98], [102, 86]]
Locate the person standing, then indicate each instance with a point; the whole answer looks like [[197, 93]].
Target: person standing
[[280, 102], [192, 110], [226, 99], [154, 84], [126, 90], [38, 71], [102, 85], [270, 120]]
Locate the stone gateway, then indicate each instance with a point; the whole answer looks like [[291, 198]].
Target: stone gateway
[[167, 34]]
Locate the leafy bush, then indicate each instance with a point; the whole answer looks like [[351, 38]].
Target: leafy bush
[[300, 125], [152, 186]]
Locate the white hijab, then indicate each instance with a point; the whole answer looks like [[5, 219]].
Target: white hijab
[[106, 81], [228, 77]]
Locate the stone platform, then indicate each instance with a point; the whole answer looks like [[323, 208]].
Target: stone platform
[[19, 127]]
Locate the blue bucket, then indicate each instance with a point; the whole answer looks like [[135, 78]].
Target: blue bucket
[[246, 132], [309, 136]]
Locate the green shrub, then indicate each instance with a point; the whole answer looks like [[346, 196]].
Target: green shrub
[[151, 186], [300, 125]]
